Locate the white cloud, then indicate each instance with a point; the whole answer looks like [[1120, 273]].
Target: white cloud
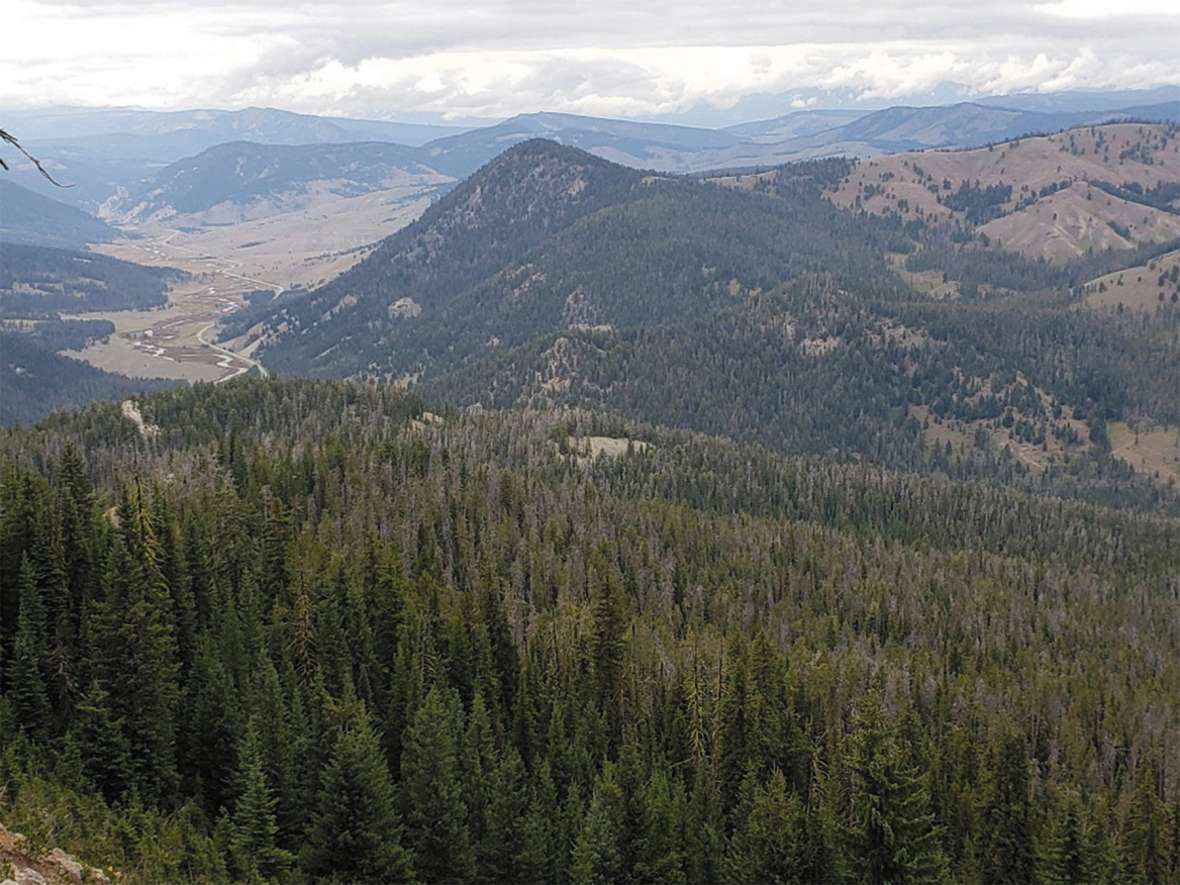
[[492, 58]]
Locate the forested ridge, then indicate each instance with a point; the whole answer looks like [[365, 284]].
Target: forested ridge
[[750, 306], [309, 631]]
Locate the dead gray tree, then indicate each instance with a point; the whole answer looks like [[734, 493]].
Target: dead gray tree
[[11, 139]]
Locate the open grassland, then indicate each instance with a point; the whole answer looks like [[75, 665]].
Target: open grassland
[[1150, 449], [1144, 287]]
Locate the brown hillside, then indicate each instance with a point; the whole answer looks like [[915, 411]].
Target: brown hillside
[[1143, 287], [1052, 211]]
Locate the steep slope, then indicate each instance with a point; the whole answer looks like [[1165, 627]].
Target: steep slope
[[28, 217], [243, 181]]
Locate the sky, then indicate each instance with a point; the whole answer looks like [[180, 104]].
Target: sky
[[486, 59]]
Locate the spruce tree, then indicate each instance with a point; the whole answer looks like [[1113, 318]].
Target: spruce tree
[[771, 844], [662, 846], [436, 816], [889, 833], [598, 855], [1145, 854], [541, 849], [356, 833], [104, 748], [1008, 852], [133, 649], [26, 670], [1069, 851], [255, 828], [503, 840]]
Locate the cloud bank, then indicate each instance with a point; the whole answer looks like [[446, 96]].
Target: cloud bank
[[491, 58]]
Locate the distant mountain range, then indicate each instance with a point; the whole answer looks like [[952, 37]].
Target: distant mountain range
[[170, 135], [242, 180], [132, 152], [248, 180]]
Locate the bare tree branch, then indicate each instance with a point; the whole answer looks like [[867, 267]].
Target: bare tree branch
[[11, 139]]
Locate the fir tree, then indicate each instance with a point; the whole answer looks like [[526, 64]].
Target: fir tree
[[771, 844], [1069, 852], [105, 751], [1145, 854], [541, 850], [598, 857]]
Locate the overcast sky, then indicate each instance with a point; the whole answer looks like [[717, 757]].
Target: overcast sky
[[493, 58]]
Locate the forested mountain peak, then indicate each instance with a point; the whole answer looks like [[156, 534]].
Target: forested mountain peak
[[537, 184]]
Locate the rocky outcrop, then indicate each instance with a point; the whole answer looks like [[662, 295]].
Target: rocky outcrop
[[19, 866]]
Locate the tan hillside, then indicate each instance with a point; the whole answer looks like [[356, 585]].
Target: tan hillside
[[1078, 219], [1152, 450], [1053, 209], [1138, 288]]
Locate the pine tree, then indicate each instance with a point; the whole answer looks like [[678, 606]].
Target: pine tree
[[662, 845], [508, 806], [1069, 852], [133, 649], [889, 833], [255, 828], [211, 730], [356, 834], [280, 745], [608, 646], [541, 852], [436, 816], [478, 765]]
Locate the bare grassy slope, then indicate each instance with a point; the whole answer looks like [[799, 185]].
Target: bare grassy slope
[[1055, 208]]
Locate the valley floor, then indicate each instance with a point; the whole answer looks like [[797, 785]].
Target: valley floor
[[225, 263]]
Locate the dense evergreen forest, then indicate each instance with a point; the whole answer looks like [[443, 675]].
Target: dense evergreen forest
[[307, 631]]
